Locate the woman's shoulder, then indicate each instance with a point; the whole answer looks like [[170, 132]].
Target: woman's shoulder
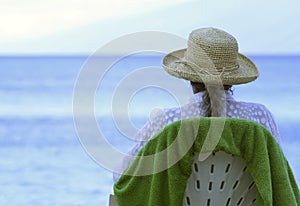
[[253, 106]]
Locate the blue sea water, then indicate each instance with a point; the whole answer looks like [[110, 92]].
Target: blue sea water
[[41, 159]]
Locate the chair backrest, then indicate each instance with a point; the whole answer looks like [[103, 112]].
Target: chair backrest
[[221, 179], [112, 201]]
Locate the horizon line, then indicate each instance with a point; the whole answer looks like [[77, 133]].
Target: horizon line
[[85, 55]]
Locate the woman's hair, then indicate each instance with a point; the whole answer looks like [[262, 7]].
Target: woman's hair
[[213, 98]]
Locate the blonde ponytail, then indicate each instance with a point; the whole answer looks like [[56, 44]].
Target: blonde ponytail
[[213, 98]]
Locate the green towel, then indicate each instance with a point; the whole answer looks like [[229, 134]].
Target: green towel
[[266, 163]]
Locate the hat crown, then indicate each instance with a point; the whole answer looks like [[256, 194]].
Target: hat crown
[[210, 47]]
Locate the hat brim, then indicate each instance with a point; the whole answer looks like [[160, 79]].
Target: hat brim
[[246, 72]]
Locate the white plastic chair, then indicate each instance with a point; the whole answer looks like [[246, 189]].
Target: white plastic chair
[[112, 201], [221, 179]]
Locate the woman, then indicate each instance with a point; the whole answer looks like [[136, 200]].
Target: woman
[[212, 64]]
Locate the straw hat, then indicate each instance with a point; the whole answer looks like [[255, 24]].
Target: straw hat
[[211, 57]]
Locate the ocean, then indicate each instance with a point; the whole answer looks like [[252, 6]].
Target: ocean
[[42, 160]]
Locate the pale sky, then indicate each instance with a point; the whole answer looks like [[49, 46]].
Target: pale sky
[[82, 26]]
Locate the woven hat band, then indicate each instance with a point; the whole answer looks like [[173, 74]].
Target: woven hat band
[[200, 60]]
